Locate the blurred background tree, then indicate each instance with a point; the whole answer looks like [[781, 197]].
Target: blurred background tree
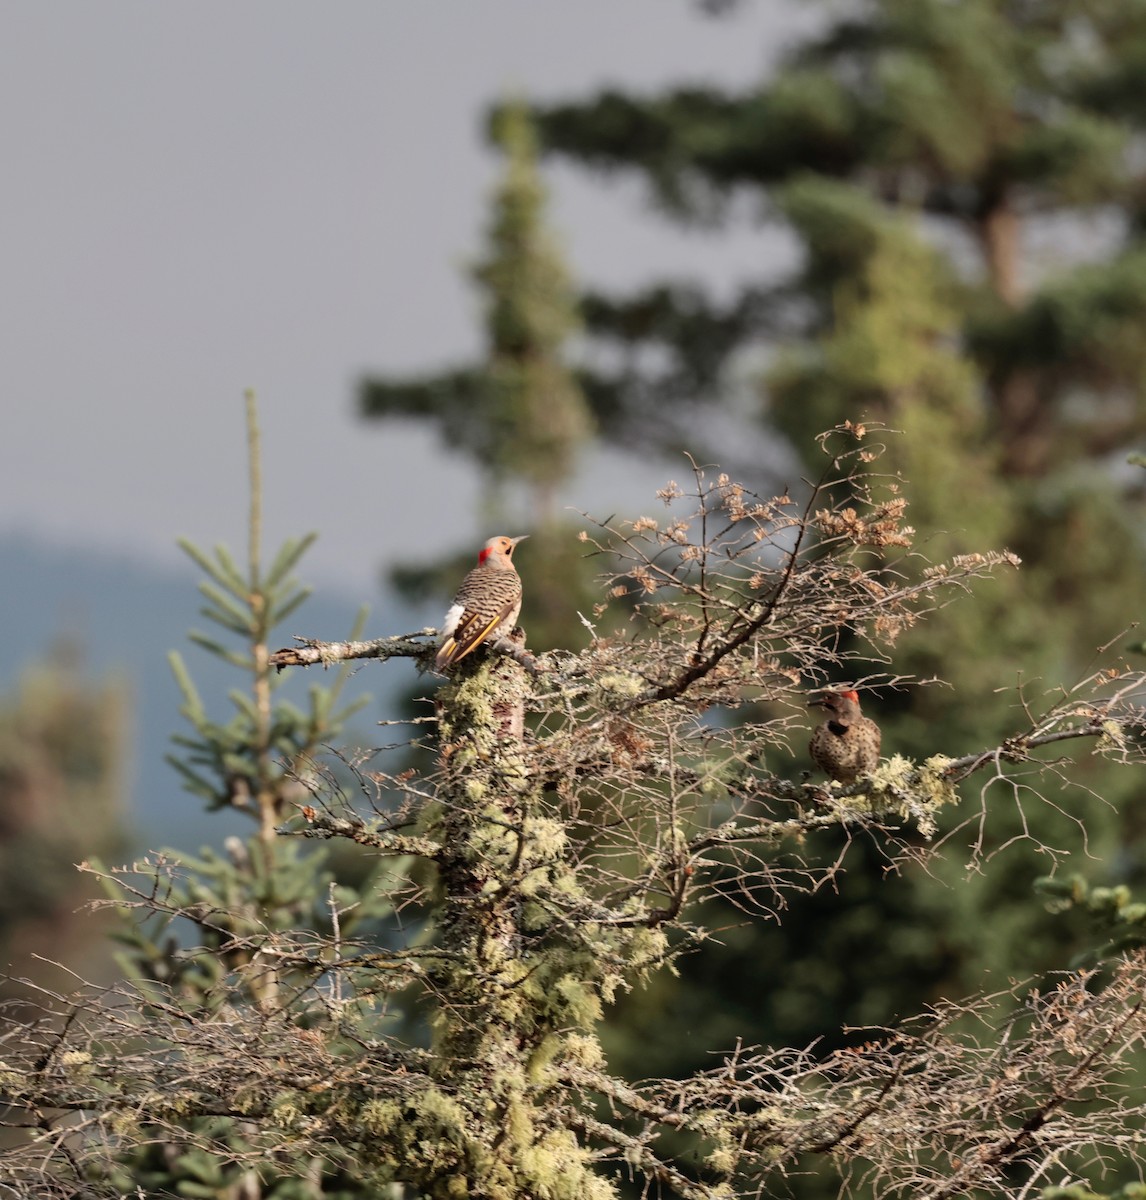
[[1007, 128], [63, 792]]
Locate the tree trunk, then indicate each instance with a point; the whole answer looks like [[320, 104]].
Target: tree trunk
[[495, 1046], [1017, 396]]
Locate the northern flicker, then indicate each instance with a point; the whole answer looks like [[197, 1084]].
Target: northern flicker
[[486, 605], [847, 743]]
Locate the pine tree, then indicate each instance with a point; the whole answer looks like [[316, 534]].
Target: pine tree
[[219, 935], [989, 119], [520, 414]]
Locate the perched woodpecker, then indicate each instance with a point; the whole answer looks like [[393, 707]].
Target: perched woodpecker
[[486, 605], [846, 745]]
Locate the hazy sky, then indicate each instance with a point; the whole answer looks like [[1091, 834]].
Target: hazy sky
[[198, 198]]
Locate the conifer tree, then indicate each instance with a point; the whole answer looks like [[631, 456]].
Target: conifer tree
[[213, 937], [63, 750], [1001, 125], [988, 118]]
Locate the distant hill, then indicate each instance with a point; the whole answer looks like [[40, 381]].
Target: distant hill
[[126, 616]]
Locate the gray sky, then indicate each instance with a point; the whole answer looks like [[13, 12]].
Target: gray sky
[[199, 198]]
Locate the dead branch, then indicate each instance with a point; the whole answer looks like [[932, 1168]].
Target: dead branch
[[311, 652]]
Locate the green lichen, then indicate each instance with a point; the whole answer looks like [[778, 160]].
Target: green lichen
[[471, 700], [554, 1168], [564, 886], [426, 1135], [547, 838], [545, 1054], [172, 1105], [564, 988], [722, 1157], [894, 772], [285, 1111], [1113, 738], [534, 917], [510, 1022], [490, 842], [511, 767], [475, 790], [517, 1120], [614, 689], [534, 883], [712, 788], [937, 787], [647, 949], [123, 1124], [379, 1117], [915, 793], [723, 1154], [584, 1050], [581, 1001]]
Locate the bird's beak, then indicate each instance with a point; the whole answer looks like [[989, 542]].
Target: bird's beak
[[514, 541], [816, 702]]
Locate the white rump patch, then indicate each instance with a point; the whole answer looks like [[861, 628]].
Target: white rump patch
[[450, 624]]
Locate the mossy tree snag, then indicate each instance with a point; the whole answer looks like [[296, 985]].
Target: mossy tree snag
[[580, 811], [485, 798], [513, 1006]]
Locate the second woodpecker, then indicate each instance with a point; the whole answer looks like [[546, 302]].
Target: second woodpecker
[[487, 603], [847, 744]]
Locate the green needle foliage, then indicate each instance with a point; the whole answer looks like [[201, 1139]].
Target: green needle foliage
[[990, 120], [1116, 921], [203, 933]]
